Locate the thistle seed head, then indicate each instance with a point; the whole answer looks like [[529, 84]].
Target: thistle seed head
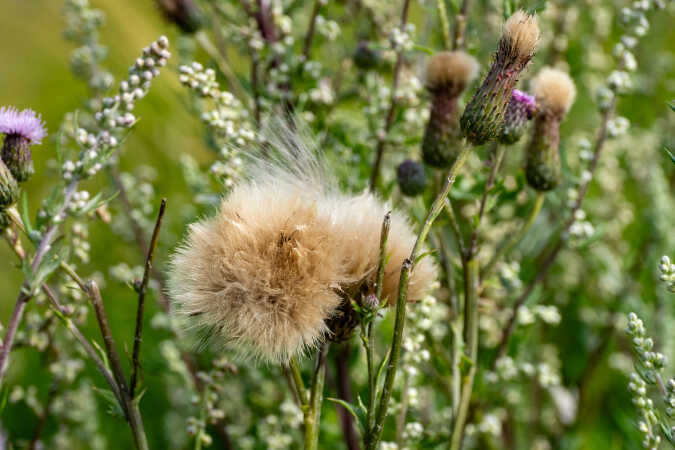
[[520, 36], [450, 72], [283, 256], [554, 90]]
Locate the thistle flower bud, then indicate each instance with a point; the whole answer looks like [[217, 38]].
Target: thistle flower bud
[[184, 13], [447, 75], [4, 221], [9, 189], [483, 116], [21, 129], [365, 57], [554, 91], [411, 177], [521, 109]]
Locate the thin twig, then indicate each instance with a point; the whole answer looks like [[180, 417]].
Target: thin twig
[[460, 25], [142, 290], [310, 30], [497, 154], [389, 120], [514, 239], [128, 404]]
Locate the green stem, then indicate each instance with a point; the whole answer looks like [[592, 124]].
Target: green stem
[[297, 379], [471, 282], [511, 243], [374, 435], [313, 410], [445, 26]]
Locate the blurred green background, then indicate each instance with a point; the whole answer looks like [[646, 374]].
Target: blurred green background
[[35, 73]]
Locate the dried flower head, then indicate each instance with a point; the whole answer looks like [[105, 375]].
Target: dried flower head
[[483, 116], [555, 92], [520, 36], [447, 75], [451, 70], [283, 256], [521, 109], [21, 129]]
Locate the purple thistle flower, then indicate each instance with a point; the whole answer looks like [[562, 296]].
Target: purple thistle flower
[[520, 109], [25, 123], [21, 129]]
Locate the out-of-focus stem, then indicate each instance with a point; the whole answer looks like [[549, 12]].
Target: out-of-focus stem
[[513, 240], [389, 120], [460, 25], [313, 410], [445, 25], [471, 284]]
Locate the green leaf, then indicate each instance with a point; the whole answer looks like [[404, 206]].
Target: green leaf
[[50, 262], [25, 217], [380, 370], [349, 407], [114, 407], [672, 157], [96, 202]]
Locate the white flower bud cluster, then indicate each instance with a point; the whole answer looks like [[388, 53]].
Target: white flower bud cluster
[[650, 364], [490, 425], [229, 121], [667, 270], [328, 28], [643, 345], [82, 24], [116, 114], [670, 398], [402, 40], [581, 230], [80, 241], [617, 126], [649, 423]]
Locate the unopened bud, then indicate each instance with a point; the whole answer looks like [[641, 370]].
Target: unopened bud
[[412, 178]]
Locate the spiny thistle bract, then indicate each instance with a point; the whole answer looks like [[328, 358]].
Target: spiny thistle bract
[[483, 116], [521, 109], [554, 91], [284, 255], [9, 189], [447, 75]]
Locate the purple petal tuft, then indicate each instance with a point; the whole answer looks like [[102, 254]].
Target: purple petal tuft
[[25, 123]]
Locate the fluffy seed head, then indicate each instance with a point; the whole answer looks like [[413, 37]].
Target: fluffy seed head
[[451, 70], [521, 34], [282, 254], [554, 90]]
